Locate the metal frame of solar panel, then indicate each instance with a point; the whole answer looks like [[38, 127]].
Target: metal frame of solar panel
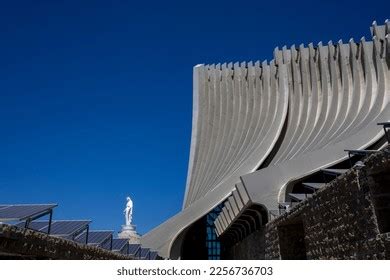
[[26, 212], [97, 238], [134, 250], [67, 229], [120, 246]]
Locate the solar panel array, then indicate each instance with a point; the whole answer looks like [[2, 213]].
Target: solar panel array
[[22, 212], [134, 250], [71, 229], [96, 238]]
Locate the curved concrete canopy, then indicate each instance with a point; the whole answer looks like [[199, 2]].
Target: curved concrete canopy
[[230, 135], [334, 96]]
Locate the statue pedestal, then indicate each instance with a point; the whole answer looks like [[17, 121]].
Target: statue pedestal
[[129, 232]]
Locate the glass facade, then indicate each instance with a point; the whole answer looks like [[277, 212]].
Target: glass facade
[[212, 243]]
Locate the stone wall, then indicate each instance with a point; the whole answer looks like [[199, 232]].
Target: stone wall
[[341, 220], [349, 218], [17, 243]]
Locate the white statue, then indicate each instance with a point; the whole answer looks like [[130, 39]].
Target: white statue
[[128, 211], [128, 230]]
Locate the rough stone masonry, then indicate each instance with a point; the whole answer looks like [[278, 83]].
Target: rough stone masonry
[[349, 218], [19, 243]]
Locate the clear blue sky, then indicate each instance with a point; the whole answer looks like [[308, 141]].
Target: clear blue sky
[[96, 96]]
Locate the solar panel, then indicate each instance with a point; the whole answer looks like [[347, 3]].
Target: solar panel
[[97, 238], [68, 227], [23, 211], [119, 244], [65, 229], [106, 244], [35, 225], [144, 255], [134, 249], [67, 237], [153, 255]]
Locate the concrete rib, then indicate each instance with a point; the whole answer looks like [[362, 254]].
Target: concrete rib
[[207, 127], [212, 126], [233, 205], [315, 102]]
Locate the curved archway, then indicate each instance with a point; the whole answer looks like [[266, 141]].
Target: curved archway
[[198, 241], [192, 242]]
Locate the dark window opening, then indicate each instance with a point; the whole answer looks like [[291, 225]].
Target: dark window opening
[[194, 243], [200, 241], [292, 242], [380, 192]]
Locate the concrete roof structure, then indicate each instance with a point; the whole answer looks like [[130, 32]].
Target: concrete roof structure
[[257, 127]]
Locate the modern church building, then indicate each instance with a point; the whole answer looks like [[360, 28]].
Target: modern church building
[[271, 138]]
